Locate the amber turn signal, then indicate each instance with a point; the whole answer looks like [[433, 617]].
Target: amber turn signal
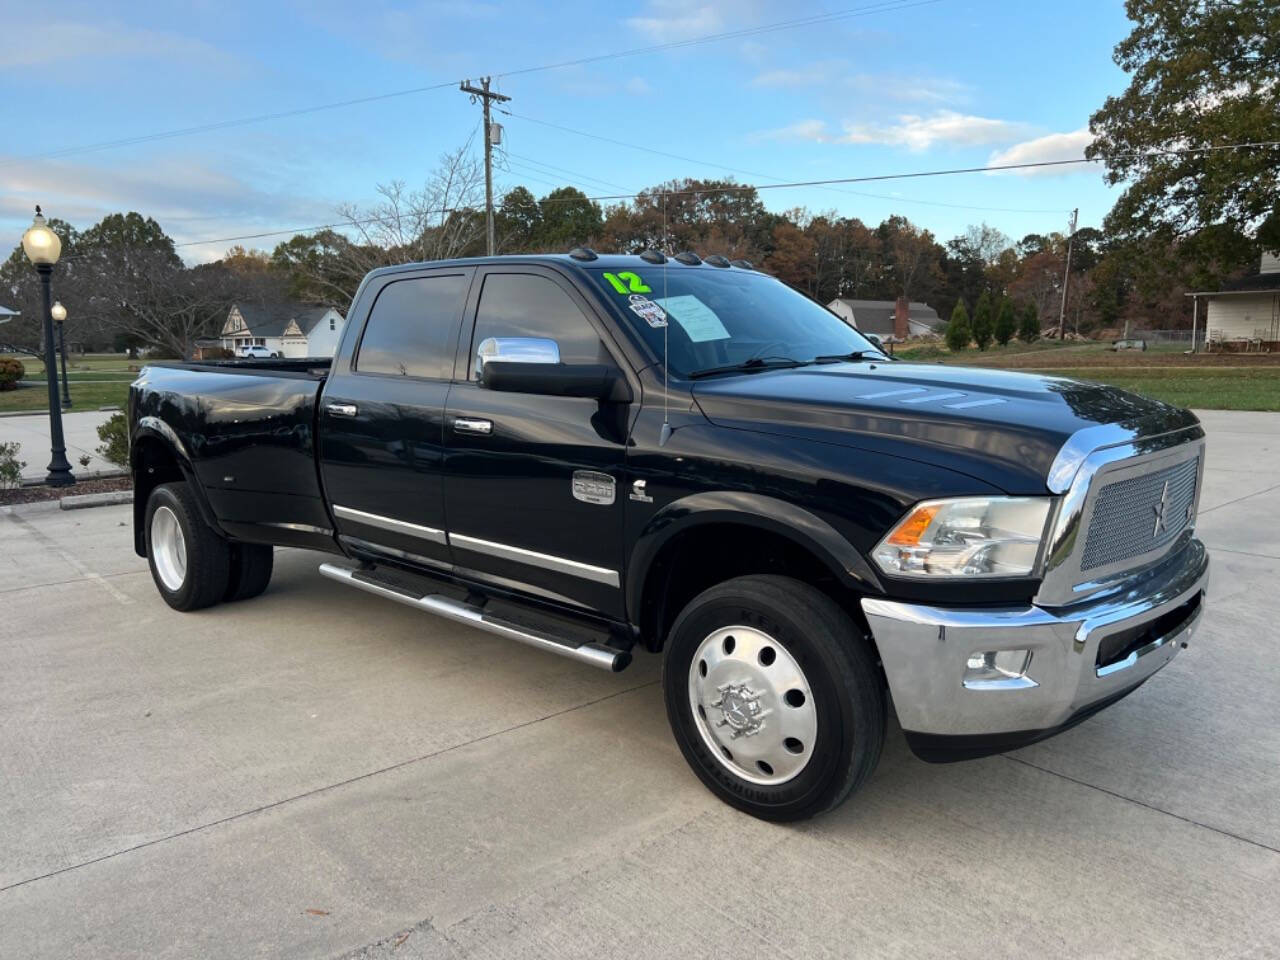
[[910, 530]]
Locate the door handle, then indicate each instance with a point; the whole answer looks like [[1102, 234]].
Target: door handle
[[472, 425], [342, 409]]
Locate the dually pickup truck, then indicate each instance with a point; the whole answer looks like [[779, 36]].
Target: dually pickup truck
[[601, 455]]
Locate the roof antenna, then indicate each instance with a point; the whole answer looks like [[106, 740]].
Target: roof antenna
[[666, 422]]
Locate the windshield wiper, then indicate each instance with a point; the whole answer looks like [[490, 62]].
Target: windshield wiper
[[755, 363], [855, 355]]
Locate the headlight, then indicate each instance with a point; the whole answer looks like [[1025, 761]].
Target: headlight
[[969, 537]]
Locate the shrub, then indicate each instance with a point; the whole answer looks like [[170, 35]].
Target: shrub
[[1006, 323], [982, 321], [1029, 324], [10, 465], [958, 335], [114, 435], [11, 371]]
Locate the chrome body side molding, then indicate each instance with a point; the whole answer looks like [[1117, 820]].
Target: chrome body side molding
[[389, 523], [546, 561]]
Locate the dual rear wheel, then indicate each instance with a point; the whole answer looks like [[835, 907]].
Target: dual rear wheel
[[191, 565]]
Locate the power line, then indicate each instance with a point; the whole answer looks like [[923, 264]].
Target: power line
[[885, 6], [913, 175], [563, 171], [755, 173]]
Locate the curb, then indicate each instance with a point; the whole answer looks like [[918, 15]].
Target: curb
[[110, 408], [108, 474], [84, 500]]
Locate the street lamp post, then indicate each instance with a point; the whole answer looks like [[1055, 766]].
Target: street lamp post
[[59, 313], [43, 248]]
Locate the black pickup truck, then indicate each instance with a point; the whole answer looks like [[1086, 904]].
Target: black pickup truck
[[597, 455]]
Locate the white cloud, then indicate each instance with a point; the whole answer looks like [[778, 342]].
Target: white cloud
[[1054, 146], [673, 21], [811, 75], [191, 200], [840, 75], [67, 45], [638, 87], [815, 130], [918, 133], [914, 132]]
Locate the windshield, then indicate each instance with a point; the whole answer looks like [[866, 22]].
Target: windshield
[[717, 318]]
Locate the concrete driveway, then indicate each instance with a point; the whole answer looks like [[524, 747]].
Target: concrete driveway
[[319, 773]]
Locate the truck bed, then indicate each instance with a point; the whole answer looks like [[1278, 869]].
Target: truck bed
[[248, 428]]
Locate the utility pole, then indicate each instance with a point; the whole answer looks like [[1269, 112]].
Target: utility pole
[[483, 94], [1066, 276]]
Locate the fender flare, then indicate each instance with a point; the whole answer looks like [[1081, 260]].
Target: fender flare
[[153, 428], [797, 524]]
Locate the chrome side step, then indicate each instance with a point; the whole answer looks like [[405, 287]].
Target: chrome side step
[[597, 655]]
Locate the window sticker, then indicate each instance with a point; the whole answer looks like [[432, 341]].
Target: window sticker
[[627, 282], [695, 317], [653, 314]]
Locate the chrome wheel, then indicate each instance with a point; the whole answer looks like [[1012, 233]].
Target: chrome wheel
[[752, 705], [168, 548]]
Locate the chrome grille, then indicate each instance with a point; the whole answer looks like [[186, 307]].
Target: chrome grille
[[1136, 516]]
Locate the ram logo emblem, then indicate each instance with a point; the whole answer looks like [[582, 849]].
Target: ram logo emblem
[[591, 487]]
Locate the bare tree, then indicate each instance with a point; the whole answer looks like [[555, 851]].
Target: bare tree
[[439, 221], [168, 306]]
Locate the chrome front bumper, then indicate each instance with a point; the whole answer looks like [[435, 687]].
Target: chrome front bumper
[[925, 651]]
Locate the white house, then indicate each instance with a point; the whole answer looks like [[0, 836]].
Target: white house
[[880, 317], [1247, 310], [286, 329]]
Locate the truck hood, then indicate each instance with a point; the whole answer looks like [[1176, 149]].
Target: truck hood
[[1000, 427]]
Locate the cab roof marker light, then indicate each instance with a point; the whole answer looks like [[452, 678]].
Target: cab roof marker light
[[743, 264], [688, 257], [583, 253], [653, 256], [716, 260]]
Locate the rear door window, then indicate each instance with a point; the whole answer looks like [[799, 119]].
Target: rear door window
[[411, 328]]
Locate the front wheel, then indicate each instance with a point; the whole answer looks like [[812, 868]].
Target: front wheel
[[189, 562], [773, 696]]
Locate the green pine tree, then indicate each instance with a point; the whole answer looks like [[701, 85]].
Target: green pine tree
[[982, 321], [1029, 324], [958, 333], [1006, 323]]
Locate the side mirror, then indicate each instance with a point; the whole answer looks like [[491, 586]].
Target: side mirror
[[518, 349], [596, 381]]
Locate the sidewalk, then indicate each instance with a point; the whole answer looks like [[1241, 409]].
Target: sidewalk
[[79, 430]]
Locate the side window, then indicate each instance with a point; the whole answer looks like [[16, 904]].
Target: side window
[[528, 305], [411, 326]]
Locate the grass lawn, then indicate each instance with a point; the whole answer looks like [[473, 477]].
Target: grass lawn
[[1210, 388], [97, 380], [1206, 381], [86, 395]]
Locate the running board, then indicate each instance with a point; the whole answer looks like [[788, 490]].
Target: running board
[[595, 654]]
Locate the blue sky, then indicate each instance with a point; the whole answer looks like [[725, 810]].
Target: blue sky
[[942, 84]]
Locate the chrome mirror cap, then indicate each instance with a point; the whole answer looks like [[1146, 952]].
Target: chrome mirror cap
[[517, 349]]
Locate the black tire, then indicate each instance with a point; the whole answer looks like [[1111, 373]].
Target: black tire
[[838, 665], [207, 555], [250, 571]]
